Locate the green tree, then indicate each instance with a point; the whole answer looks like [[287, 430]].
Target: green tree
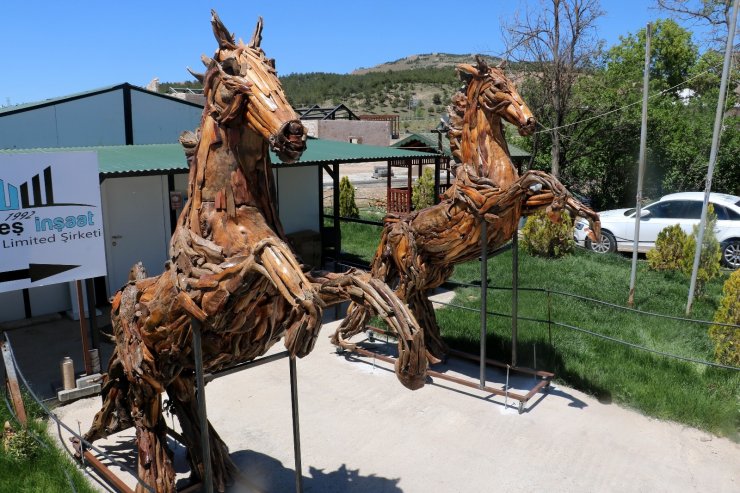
[[683, 86], [422, 192], [668, 253], [544, 238], [710, 256], [347, 205], [727, 339]]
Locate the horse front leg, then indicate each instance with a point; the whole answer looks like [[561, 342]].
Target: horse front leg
[[370, 296]]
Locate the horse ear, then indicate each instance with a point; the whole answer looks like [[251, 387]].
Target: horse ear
[[464, 68], [223, 36], [257, 36], [481, 63], [200, 77]]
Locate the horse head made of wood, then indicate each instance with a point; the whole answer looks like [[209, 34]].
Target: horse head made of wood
[[241, 87], [496, 94]]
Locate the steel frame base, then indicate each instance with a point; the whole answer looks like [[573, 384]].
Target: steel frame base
[[544, 378], [88, 458]]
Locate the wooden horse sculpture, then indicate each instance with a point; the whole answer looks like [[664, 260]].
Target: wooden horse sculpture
[[230, 268], [418, 251]]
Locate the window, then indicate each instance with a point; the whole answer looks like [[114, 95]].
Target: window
[[725, 214]]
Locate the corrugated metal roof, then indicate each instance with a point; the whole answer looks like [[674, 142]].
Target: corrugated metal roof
[[162, 158], [9, 110], [430, 140]]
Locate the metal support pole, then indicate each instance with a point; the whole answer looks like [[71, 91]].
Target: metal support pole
[[296, 427], [514, 295], [200, 381], [483, 300], [83, 328], [641, 167], [94, 334], [713, 153]]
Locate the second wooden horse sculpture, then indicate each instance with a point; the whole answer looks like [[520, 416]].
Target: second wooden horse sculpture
[[418, 251]]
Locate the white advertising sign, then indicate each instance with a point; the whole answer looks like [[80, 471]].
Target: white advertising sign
[[51, 223]]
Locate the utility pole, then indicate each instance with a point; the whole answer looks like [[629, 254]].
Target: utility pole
[[641, 165], [713, 153]]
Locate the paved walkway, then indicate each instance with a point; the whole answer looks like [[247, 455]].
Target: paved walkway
[[361, 431]]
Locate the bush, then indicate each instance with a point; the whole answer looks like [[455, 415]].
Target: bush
[[543, 238], [347, 205], [727, 339], [668, 253], [422, 193], [19, 445], [711, 253]]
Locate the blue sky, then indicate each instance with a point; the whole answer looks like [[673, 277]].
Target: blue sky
[[50, 49]]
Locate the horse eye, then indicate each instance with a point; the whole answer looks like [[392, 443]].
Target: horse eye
[[230, 66]]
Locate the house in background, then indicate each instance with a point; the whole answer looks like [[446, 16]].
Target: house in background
[[341, 124]]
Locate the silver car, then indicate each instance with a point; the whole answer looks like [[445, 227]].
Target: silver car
[[684, 209]]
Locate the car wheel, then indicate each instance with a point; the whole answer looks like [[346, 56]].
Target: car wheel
[[607, 243], [731, 254]]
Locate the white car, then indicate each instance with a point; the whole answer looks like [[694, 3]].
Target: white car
[[684, 209]]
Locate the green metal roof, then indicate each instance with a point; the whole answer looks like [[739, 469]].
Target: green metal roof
[[429, 139], [163, 158]]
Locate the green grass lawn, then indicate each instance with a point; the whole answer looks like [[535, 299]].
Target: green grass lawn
[[44, 469], [665, 388]]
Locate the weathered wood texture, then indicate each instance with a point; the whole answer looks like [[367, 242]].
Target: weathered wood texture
[[418, 251], [231, 268]]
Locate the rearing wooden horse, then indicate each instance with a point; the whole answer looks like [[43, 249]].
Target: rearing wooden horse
[[418, 251], [230, 268]]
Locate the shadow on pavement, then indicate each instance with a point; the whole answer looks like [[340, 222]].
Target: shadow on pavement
[[262, 473]]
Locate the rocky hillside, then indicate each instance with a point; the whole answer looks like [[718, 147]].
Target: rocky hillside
[[417, 88]]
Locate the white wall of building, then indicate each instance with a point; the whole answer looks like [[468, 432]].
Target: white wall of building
[[298, 198], [137, 226]]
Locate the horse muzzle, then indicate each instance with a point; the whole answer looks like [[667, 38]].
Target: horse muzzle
[[528, 127], [289, 142]]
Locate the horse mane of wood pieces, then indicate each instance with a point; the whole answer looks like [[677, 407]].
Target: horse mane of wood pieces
[[418, 251], [230, 268]]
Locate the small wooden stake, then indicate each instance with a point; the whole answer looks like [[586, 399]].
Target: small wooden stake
[[13, 387]]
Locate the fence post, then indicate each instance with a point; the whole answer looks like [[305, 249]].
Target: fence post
[[205, 446], [514, 295], [483, 299], [12, 383]]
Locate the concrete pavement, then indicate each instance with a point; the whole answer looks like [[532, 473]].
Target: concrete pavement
[[361, 431]]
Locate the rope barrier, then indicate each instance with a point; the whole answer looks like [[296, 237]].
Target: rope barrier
[[582, 330], [59, 422], [37, 439]]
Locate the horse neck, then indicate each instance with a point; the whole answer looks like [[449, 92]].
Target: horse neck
[[487, 150], [230, 169]]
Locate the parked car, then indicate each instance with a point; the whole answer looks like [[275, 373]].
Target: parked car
[[684, 209]]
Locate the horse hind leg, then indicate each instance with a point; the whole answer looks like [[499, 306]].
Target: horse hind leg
[[184, 405], [423, 310], [115, 414]]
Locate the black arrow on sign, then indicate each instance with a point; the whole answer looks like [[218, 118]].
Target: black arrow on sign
[[35, 272]]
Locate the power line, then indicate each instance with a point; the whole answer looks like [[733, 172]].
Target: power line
[[659, 93]]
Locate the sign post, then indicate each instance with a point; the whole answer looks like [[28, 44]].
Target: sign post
[[51, 221]]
